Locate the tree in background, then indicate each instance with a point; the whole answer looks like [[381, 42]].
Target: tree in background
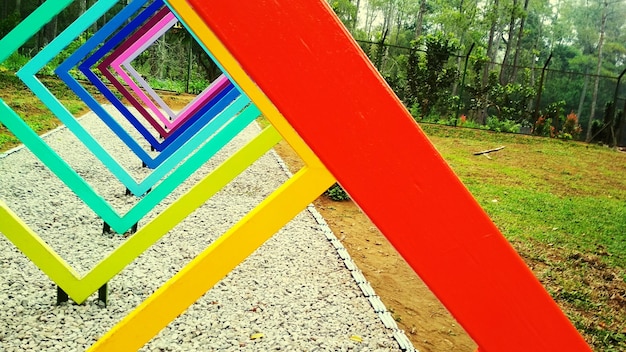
[[429, 77]]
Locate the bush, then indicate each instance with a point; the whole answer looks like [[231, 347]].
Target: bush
[[416, 111], [542, 127], [504, 125], [571, 129], [14, 62], [336, 193], [429, 76]]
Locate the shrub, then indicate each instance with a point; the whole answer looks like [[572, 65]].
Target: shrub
[[542, 126], [416, 111], [14, 62], [504, 125], [336, 193], [571, 129]]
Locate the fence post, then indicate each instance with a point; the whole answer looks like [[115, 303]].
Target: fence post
[[614, 109], [610, 115], [540, 91], [458, 106], [621, 131]]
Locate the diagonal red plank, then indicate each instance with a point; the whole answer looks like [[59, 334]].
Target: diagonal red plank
[[307, 64]]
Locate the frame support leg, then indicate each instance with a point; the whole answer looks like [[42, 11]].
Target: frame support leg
[[103, 294], [62, 297]]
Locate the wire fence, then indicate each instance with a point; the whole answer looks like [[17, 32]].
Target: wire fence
[[553, 85]]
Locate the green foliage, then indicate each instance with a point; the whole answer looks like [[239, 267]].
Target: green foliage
[[554, 111], [465, 122], [197, 86], [493, 123], [502, 125], [336, 193], [14, 62], [542, 127], [345, 10], [508, 104], [167, 84], [512, 101], [416, 111], [69, 50], [7, 140]]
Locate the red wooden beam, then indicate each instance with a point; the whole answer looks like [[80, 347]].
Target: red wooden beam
[[308, 65]]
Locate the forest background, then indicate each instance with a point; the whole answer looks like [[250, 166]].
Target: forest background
[[544, 67]]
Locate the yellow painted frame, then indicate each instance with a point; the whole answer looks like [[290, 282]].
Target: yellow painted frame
[[223, 255]]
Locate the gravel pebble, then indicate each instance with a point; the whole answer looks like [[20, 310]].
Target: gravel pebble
[[295, 289]]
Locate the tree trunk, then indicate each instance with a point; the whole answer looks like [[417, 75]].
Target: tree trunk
[[94, 27], [387, 23], [594, 99], [459, 59], [369, 20], [419, 22], [355, 20], [509, 45], [399, 16], [455, 86], [518, 48], [51, 30], [82, 7], [381, 51], [41, 40], [491, 53], [18, 7]]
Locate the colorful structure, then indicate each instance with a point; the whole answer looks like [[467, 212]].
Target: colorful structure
[[322, 96]]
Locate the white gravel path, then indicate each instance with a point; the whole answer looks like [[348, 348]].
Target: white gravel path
[[296, 289]]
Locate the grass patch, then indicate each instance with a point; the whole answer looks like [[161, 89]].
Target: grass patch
[[586, 224]]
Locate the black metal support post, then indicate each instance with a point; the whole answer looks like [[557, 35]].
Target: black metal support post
[[613, 112], [62, 297], [540, 91], [103, 295], [107, 230], [458, 107]]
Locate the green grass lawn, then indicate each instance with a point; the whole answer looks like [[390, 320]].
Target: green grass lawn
[[561, 204], [563, 207], [15, 94]]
